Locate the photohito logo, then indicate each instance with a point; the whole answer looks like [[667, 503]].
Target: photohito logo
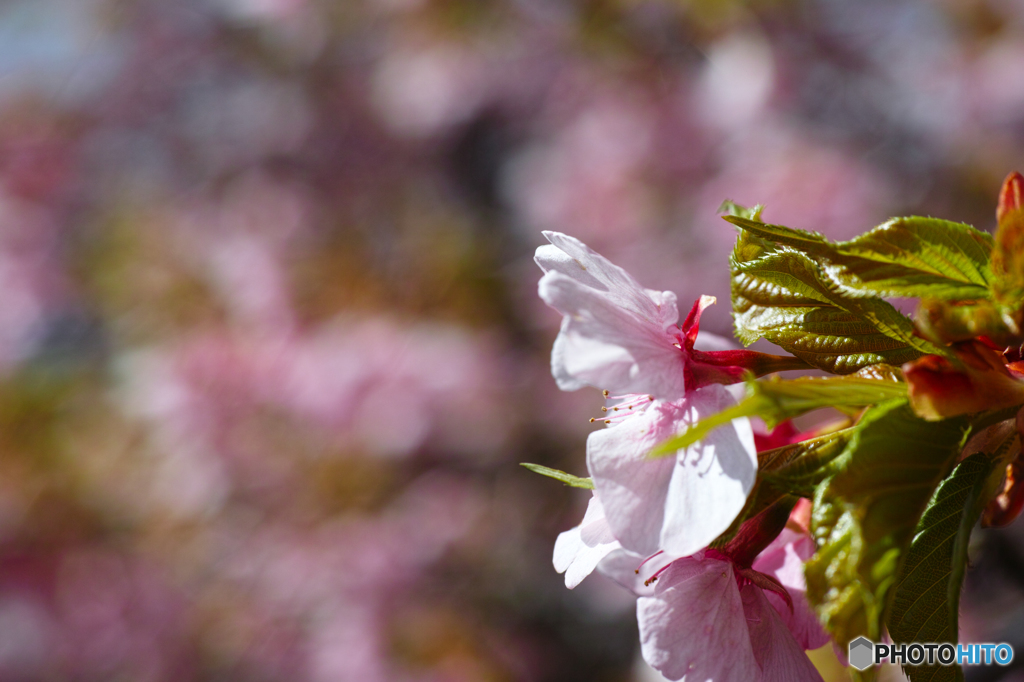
[[864, 653]]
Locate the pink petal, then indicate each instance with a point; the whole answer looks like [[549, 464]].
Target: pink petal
[[784, 559], [694, 624], [780, 656], [801, 621], [550, 258]]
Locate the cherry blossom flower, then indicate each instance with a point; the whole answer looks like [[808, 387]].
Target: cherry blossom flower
[[705, 621], [615, 335], [625, 339], [738, 613], [621, 337], [716, 615]]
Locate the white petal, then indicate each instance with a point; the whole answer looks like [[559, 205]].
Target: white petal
[[568, 545], [565, 380], [578, 559], [711, 480], [621, 566], [579, 550], [606, 345], [632, 486], [679, 504], [616, 334], [595, 530], [551, 258], [779, 655], [694, 624], [595, 271]]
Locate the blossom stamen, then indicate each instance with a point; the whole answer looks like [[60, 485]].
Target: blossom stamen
[[631, 403], [657, 574], [646, 560]]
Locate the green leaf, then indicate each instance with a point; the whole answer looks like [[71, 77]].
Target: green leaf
[[731, 208], [568, 479], [776, 400], [786, 298], [927, 600], [865, 515], [907, 257], [791, 469], [800, 467], [886, 372]]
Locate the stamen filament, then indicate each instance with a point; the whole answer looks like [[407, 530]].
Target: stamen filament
[[631, 403]]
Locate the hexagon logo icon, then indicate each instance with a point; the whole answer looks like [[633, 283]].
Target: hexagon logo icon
[[862, 653]]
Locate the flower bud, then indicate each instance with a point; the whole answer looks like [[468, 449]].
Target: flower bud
[[939, 388], [758, 532], [1011, 196], [1006, 506]]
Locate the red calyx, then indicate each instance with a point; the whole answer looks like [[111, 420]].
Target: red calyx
[[724, 366]]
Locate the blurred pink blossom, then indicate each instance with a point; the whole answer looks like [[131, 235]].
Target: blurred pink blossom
[[96, 612], [32, 280], [346, 580], [393, 386], [837, 194], [586, 178], [421, 89], [371, 385]]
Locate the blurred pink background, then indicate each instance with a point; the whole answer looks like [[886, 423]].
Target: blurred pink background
[[270, 346]]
